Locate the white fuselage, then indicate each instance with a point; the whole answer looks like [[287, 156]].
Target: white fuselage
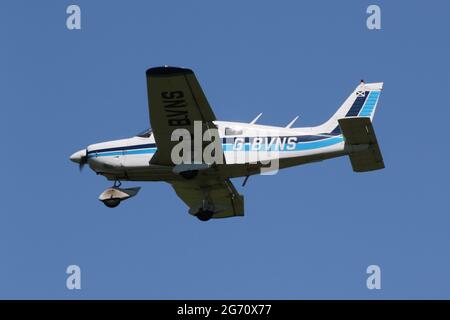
[[245, 146]]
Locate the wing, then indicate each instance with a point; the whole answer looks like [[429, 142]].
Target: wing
[[175, 101], [219, 196]]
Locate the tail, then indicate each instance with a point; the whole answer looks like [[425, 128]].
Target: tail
[[361, 103]]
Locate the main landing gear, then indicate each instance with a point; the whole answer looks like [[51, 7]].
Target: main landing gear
[[204, 215], [206, 211], [190, 174]]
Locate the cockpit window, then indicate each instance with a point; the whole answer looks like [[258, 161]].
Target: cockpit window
[[145, 134], [232, 132]]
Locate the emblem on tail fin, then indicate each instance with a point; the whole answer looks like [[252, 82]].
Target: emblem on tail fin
[[361, 89]]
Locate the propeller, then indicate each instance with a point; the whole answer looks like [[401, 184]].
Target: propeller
[[83, 160], [80, 157]]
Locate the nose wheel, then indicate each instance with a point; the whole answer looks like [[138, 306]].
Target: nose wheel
[[111, 203], [113, 196]]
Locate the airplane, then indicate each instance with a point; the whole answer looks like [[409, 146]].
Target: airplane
[[177, 103]]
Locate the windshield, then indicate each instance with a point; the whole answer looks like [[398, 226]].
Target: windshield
[[145, 134]]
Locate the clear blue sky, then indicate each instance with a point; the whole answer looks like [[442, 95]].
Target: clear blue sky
[[309, 232]]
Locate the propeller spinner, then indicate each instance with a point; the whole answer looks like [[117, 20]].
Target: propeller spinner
[[80, 157]]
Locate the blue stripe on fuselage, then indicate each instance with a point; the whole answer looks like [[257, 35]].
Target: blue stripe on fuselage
[[125, 152], [284, 148], [301, 146]]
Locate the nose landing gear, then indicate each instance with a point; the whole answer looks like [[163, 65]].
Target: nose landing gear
[[113, 196], [112, 202]]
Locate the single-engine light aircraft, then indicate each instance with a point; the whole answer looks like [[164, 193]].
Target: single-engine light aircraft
[[198, 155]]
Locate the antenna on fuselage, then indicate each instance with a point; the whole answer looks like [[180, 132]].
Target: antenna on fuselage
[[256, 119], [292, 122]]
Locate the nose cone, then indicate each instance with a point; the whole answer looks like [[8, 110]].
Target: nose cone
[[77, 156]]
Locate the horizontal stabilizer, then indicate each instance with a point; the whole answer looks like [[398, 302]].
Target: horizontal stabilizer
[[359, 135]]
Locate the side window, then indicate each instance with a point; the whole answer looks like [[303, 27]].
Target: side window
[[232, 132]]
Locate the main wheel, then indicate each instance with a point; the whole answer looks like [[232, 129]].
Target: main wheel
[[111, 203], [204, 215], [188, 175]]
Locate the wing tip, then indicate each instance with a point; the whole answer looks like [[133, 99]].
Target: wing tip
[[167, 71]]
